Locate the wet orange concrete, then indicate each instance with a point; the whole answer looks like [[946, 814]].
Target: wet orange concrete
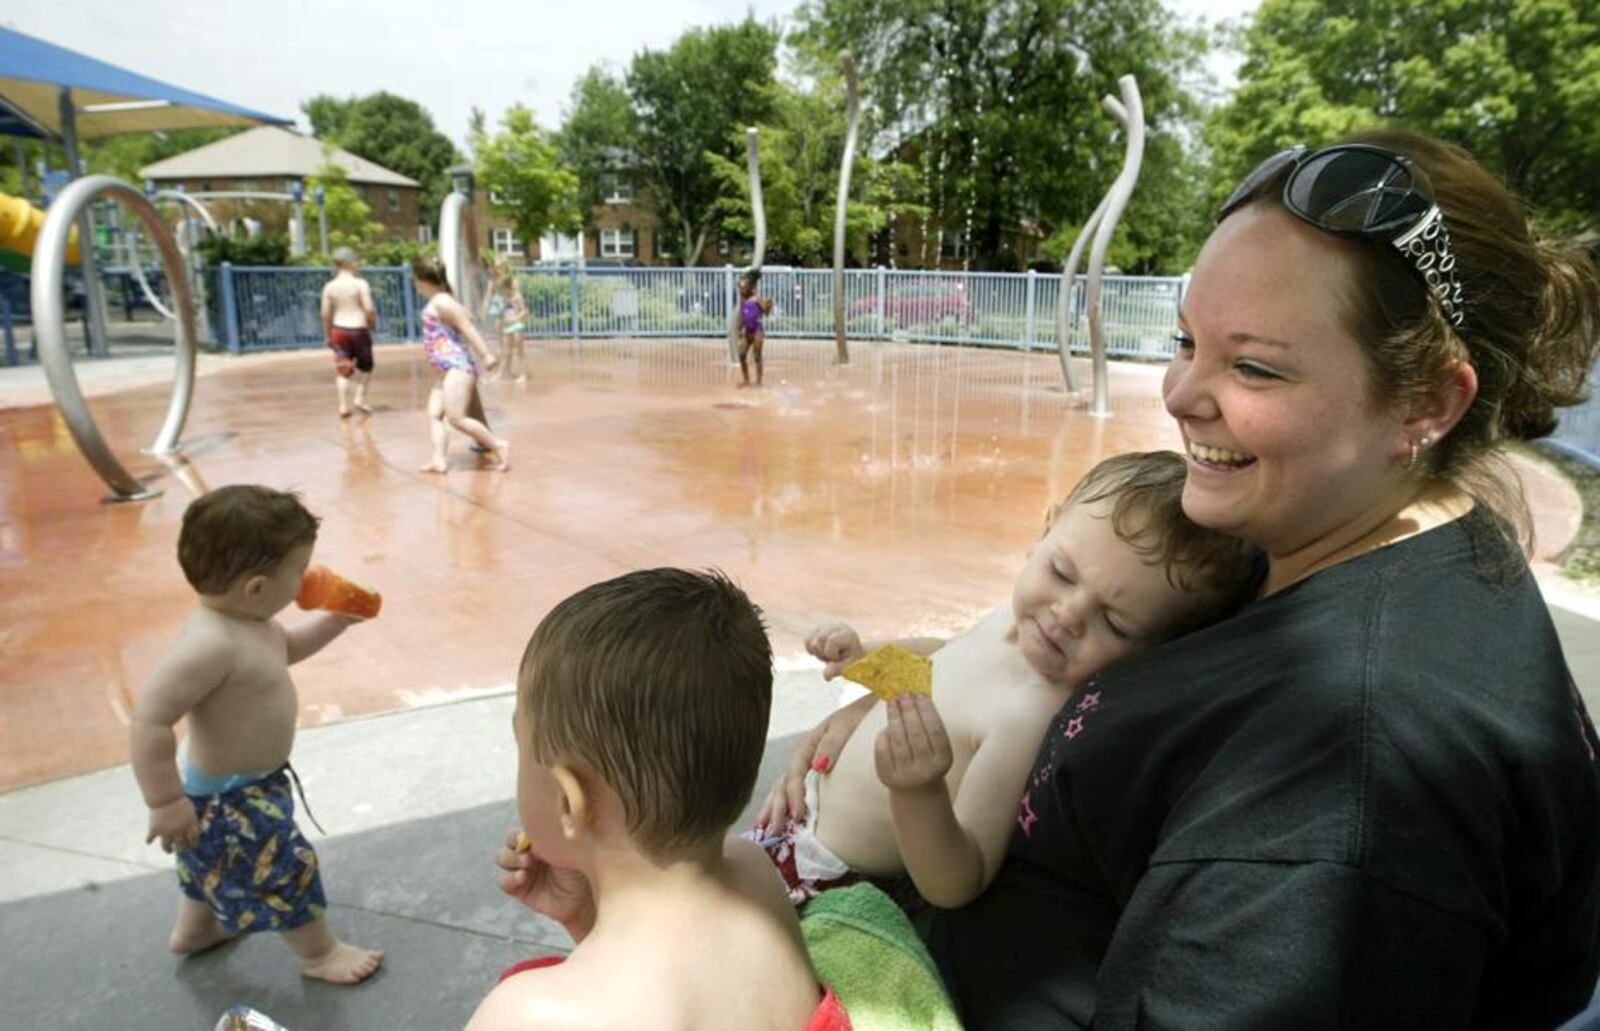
[[897, 493]]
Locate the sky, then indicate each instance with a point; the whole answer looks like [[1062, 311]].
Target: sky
[[448, 56]]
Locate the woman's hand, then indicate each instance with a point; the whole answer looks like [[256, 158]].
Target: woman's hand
[[837, 645], [816, 751], [562, 895]]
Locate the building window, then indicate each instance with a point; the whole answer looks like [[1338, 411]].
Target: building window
[[504, 241], [248, 186], [616, 243], [424, 234], [952, 246], [394, 202], [616, 188]]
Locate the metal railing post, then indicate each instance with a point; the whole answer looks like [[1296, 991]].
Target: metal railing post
[[408, 305], [575, 305], [10, 331], [1027, 308], [230, 310], [882, 284]]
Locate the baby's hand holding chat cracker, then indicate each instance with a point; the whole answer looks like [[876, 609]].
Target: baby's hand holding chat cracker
[[891, 671], [836, 644], [913, 749]]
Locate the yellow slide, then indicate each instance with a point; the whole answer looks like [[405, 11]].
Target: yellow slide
[[20, 223]]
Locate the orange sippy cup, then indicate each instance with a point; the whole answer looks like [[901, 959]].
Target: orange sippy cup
[[322, 588]]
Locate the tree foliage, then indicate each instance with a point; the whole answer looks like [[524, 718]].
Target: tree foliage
[[801, 149], [1516, 82], [123, 156], [350, 222], [691, 100], [392, 131], [600, 128], [1001, 103], [525, 178]]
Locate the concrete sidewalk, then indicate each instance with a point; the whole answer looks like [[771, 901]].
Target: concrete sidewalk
[[415, 804]]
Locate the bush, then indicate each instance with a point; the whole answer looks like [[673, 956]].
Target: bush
[[266, 249]]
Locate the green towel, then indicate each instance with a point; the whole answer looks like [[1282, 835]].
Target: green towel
[[866, 950]]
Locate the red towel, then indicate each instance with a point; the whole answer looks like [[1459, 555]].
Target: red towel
[[830, 1015], [529, 964]]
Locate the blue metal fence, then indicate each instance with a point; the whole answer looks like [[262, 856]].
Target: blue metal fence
[[260, 308], [1578, 432]]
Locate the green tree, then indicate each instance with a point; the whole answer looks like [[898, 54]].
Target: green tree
[[1000, 101], [1516, 82], [525, 179], [392, 131], [599, 133], [693, 99], [800, 154], [350, 222]]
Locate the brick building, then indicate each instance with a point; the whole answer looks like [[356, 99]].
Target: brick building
[[269, 159]]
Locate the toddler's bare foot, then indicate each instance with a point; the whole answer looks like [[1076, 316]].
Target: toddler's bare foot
[[365, 408], [344, 413], [192, 934], [502, 456], [434, 467], [344, 964]]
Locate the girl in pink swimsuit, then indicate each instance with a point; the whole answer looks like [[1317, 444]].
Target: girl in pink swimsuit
[[456, 351]]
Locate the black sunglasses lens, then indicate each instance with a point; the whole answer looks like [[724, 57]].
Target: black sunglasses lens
[[1252, 182], [1355, 190]]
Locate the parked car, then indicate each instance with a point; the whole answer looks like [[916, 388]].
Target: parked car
[[918, 302]]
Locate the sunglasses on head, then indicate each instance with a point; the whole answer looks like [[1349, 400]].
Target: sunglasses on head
[[1366, 192]]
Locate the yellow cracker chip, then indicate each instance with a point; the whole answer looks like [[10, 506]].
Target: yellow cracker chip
[[891, 671]]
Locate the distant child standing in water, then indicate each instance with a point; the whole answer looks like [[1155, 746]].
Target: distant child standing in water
[[455, 350], [513, 321], [348, 319], [751, 333]]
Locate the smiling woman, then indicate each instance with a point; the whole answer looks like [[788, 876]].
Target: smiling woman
[[1370, 799]]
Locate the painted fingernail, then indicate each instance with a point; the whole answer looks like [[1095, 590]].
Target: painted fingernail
[[822, 764]]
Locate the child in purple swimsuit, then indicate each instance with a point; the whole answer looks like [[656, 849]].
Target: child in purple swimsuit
[[455, 350], [751, 335]]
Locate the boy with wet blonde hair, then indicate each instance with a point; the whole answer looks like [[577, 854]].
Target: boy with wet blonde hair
[[642, 707], [223, 803]]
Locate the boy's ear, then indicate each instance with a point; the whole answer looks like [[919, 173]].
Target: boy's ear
[[577, 802], [253, 586]]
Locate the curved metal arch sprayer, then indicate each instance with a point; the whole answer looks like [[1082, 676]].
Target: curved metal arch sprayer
[[847, 64], [138, 266], [49, 273], [458, 228], [758, 211], [1069, 272], [1115, 203]]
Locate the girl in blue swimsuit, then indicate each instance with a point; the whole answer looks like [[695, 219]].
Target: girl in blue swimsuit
[[455, 350]]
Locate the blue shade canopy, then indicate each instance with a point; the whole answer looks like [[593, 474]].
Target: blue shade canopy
[[108, 100]]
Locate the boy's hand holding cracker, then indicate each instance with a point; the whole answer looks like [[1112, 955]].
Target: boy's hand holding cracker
[[564, 896], [175, 824]]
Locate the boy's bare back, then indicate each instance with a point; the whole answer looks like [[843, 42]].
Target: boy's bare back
[[724, 954], [230, 676], [986, 691]]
